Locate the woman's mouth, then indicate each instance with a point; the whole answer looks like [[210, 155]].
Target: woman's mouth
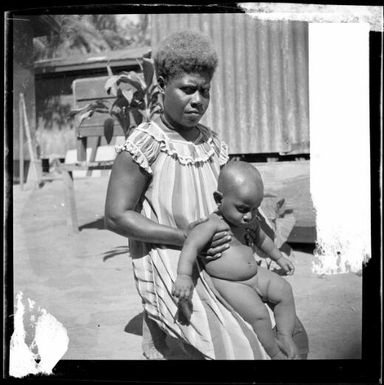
[[193, 113]]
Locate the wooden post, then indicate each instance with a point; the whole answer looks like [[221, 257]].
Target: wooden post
[[70, 199], [29, 141], [21, 147], [81, 146], [95, 146]]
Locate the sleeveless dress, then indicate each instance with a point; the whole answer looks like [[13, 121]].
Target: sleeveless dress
[[183, 177]]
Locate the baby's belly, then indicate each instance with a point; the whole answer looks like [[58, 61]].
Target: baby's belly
[[236, 264]]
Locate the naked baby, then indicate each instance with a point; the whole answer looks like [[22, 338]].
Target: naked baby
[[236, 275]]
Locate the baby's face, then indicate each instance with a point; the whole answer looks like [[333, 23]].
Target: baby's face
[[240, 206]]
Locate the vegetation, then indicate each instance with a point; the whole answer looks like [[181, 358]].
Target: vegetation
[[136, 94], [136, 99], [83, 34]]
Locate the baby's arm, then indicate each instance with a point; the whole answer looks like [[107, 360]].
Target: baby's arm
[[198, 237], [266, 244]]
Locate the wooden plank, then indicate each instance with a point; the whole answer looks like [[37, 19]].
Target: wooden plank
[[21, 147], [34, 173], [290, 181], [302, 234], [90, 88], [70, 199], [100, 165], [81, 145], [98, 130]]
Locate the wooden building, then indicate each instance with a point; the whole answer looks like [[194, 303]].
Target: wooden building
[[20, 32]]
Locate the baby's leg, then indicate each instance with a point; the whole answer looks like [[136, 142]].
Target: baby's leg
[[245, 300], [278, 292]]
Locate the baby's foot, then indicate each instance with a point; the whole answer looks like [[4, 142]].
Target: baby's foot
[[288, 346], [279, 356], [151, 353]]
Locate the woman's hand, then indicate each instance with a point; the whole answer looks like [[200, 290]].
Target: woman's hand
[[218, 244]]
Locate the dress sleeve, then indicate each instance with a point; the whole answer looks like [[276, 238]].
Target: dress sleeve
[[143, 148], [220, 148]]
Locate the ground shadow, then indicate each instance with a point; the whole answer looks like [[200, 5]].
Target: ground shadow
[[174, 350], [116, 251], [303, 247], [98, 224], [135, 325]]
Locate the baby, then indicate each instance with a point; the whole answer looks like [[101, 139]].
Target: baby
[[236, 275]]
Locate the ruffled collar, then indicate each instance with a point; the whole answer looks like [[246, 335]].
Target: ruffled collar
[[186, 152]]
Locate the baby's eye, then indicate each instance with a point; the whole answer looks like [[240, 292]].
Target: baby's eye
[[243, 210]]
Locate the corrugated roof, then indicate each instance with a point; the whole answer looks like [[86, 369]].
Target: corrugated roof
[[117, 58], [259, 99]]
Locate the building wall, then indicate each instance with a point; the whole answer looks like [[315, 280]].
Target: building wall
[[55, 131], [23, 82], [259, 99]]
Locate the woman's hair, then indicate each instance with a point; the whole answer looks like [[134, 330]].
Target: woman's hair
[[185, 52]]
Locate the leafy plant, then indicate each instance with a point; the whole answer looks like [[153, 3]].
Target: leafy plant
[[136, 99]]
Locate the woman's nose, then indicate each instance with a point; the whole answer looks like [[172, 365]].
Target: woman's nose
[[197, 99]]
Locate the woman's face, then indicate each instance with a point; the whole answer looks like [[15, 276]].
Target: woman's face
[[186, 98]]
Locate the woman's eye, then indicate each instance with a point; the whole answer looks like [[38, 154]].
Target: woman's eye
[[189, 90], [205, 93]]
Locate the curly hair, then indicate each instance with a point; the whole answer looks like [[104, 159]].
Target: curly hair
[[185, 52]]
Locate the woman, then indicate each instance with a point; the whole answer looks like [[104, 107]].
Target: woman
[[162, 181]]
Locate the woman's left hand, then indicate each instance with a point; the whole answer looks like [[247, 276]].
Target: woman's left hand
[[218, 244]]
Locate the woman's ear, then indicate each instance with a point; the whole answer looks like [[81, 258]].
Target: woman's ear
[[218, 197]]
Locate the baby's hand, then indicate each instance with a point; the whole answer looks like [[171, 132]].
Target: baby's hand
[[286, 265], [183, 287]]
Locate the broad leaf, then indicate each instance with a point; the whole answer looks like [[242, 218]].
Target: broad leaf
[[128, 94], [108, 129], [156, 110], [111, 85], [84, 116], [133, 81], [148, 71], [136, 115], [139, 63], [110, 73], [78, 110]]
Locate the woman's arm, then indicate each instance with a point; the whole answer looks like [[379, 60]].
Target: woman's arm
[[127, 184]]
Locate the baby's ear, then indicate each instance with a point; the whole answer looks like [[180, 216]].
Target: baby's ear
[[218, 197]]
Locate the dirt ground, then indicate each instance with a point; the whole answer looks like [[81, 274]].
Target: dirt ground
[[85, 280]]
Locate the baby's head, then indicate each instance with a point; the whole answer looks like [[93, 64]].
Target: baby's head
[[240, 192], [185, 52]]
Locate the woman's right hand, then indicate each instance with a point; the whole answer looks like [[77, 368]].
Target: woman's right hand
[[218, 244]]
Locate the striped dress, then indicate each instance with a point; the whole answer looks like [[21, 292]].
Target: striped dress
[[183, 177]]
